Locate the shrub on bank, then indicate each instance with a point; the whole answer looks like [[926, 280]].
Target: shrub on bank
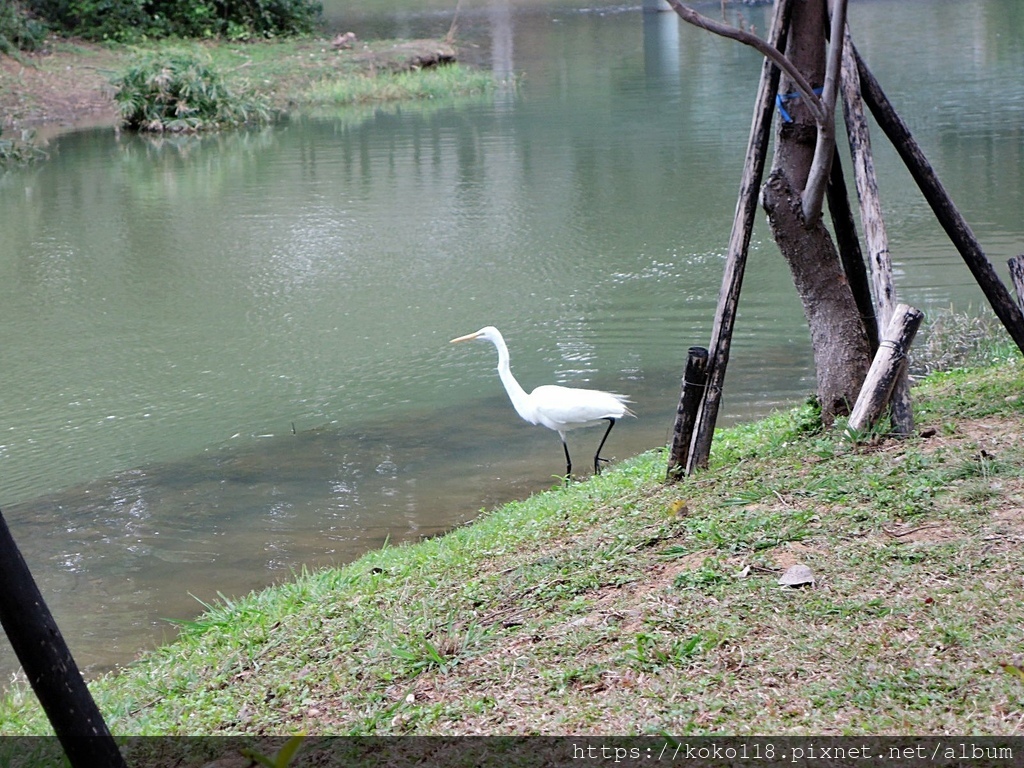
[[131, 20], [19, 31], [179, 91]]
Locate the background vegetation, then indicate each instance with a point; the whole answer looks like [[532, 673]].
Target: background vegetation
[[23, 23], [19, 30]]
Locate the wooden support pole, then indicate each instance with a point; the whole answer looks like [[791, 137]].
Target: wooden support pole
[[695, 379], [873, 222], [1017, 275], [889, 361], [739, 242], [946, 212], [48, 664], [872, 218], [845, 228]]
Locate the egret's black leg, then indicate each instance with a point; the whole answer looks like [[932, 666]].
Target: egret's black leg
[[568, 461], [597, 456]]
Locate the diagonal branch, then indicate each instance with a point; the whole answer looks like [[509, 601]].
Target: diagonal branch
[[814, 104], [821, 109], [817, 179]]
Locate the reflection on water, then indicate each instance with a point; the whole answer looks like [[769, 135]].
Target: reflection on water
[[226, 358]]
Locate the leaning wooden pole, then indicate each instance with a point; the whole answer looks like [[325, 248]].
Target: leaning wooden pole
[[695, 378], [48, 664], [873, 221], [739, 242], [850, 253], [946, 212], [890, 361], [1016, 265]]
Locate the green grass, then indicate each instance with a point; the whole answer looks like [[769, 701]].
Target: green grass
[[436, 83], [170, 88], [309, 74], [283, 75], [622, 605]]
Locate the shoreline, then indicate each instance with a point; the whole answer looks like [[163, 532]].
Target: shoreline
[[623, 605], [67, 85]]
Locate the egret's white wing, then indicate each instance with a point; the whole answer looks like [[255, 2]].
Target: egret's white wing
[[562, 408]]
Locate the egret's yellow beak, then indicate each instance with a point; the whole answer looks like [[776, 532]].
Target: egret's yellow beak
[[467, 337]]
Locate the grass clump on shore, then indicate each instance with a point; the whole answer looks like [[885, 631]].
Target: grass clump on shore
[[179, 90], [622, 605], [171, 89], [434, 83]]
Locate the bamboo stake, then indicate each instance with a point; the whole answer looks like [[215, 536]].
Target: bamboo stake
[[872, 218]]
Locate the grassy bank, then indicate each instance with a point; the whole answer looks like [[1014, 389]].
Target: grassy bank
[[70, 81], [304, 74], [621, 605]]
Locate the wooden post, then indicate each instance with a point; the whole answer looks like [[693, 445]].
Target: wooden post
[[695, 379], [1017, 275], [889, 361], [873, 222], [48, 664], [739, 242], [946, 212], [850, 254]]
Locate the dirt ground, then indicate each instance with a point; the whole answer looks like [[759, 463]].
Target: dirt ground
[[57, 88]]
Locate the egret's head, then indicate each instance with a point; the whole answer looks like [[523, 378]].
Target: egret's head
[[488, 333]]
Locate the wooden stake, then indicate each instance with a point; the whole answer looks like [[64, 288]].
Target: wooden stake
[[850, 254], [48, 664], [873, 222], [946, 212], [889, 361], [695, 380], [739, 241], [1017, 275], [872, 218]]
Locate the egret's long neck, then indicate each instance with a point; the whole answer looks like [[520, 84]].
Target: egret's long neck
[[520, 400]]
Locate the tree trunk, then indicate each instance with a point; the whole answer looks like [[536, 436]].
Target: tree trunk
[[850, 253], [842, 351]]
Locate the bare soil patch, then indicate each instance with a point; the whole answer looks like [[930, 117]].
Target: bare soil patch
[[63, 87]]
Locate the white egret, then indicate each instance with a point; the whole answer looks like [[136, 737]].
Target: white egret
[[555, 407]]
